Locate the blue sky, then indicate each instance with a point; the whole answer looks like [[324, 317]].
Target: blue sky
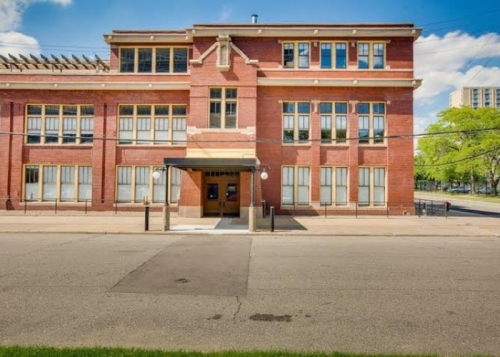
[[460, 43]]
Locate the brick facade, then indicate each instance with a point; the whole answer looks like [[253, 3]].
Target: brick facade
[[254, 61]]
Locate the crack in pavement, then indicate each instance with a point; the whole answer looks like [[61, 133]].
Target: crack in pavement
[[238, 309]]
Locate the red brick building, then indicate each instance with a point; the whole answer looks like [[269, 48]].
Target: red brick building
[[322, 109]]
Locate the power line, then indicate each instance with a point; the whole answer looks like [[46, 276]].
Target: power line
[[260, 141], [461, 160]]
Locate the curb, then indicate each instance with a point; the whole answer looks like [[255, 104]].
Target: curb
[[261, 233]]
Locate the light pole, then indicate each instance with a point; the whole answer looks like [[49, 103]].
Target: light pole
[[252, 213], [166, 208]]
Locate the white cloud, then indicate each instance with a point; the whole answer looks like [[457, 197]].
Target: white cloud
[[443, 62], [225, 13], [11, 12], [16, 43]]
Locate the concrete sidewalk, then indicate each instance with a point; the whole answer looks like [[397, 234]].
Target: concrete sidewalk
[[133, 223]]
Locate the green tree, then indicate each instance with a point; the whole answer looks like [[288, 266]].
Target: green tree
[[469, 148]]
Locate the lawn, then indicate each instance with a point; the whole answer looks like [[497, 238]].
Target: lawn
[[119, 352], [459, 196]]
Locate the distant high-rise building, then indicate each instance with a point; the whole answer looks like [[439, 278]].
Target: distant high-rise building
[[476, 97]]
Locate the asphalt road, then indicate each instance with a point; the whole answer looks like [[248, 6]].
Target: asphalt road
[[356, 294]]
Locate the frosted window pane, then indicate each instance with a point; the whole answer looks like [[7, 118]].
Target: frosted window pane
[[287, 195], [303, 195], [341, 196], [379, 196], [31, 191], [49, 183], [364, 196], [326, 195]]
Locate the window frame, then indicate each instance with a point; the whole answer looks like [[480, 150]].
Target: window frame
[[371, 186], [135, 141], [371, 123], [58, 184], [296, 122], [296, 56], [333, 54], [79, 140], [151, 184], [296, 186], [371, 55], [171, 65], [223, 101], [333, 120], [333, 186]]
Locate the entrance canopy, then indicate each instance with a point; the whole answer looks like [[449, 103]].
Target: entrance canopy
[[209, 164]]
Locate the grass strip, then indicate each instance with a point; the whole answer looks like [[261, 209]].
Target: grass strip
[[16, 351]]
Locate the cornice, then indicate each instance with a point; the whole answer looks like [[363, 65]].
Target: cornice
[[340, 82], [10, 85]]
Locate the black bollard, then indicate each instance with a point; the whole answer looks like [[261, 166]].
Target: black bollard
[[146, 218], [272, 218]]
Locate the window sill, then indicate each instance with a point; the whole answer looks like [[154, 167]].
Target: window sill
[[343, 145], [297, 144], [306, 206], [153, 74], [60, 145], [140, 204], [373, 145], [152, 145]]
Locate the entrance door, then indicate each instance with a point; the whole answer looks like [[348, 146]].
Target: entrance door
[[222, 194]]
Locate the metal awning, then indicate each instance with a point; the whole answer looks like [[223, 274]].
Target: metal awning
[[209, 164]]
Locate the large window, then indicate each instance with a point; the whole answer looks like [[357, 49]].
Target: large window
[[134, 184], [296, 122], [296, 55], [223, 108], [152, 124], [498, 98], [333, 186], [371, 123], [154, 60], [333, 122], [333, 55], [295, 185], [59, 124], [371, 55], [57, 182], [371, 186]]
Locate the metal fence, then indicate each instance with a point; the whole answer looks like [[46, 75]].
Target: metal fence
[[84, 206], [417, 207], [420, 207]]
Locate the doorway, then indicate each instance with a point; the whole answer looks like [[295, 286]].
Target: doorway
[[222, 194]]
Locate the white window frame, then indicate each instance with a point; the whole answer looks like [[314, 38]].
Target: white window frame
[[373, 119], [301, 122], [296, 54], [333, 54], [222, 101], [373, 173], [332, 118], [371, 54], [298, 177], [171, 65], [154, 190], [36, 124], [58, 183], [132, 124]]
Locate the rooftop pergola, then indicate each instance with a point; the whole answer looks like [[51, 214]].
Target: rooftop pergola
[[54, 63]]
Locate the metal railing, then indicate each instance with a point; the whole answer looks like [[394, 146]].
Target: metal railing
[[85, 206], [420, 207]]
